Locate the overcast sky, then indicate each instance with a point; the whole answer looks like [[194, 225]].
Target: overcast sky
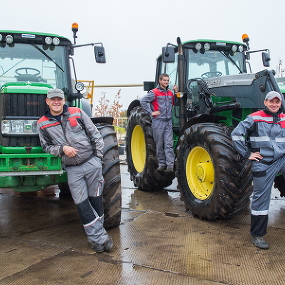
[[133, 32]]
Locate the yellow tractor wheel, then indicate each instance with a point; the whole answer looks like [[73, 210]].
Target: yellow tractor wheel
[[138, 149], [213, 183]]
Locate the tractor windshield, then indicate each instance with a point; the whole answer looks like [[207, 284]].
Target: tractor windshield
[[29, 62], [213, 63]]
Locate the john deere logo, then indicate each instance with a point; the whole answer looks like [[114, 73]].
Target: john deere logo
[[28, 127], [33, 103]]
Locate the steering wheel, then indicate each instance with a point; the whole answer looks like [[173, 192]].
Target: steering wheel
[[211, 74], [37, 72]]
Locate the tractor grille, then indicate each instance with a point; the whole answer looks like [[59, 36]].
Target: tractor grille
[[27, 105], [21, 105]]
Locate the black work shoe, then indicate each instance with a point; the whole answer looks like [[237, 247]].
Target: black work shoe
[[97, 247], [161, 168], [169, 169], [108, 244], [260, 242]]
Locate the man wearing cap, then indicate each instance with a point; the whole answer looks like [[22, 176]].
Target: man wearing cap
[[261, 139], [69, 133]]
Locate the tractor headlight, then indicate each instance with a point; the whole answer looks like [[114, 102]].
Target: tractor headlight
[[198, 46], [234, 48], [56, 41], [240, 48], [48, 40], [207, 46], [9, 39], [19, 127], [86, 95], [79, 86]]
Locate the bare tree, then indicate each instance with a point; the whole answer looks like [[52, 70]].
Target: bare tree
[[116, 107], [103, 107]]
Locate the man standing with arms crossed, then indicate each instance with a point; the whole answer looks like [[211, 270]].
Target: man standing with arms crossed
[[69, 133], [261, 139], [161, 100]]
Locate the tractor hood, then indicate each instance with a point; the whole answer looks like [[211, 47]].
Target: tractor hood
[[247, 89], [25, 87]]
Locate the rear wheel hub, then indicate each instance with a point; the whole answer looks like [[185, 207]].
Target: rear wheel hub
[[200, 173]]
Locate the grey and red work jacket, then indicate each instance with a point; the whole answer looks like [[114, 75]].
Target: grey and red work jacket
[[79, 132], [160, 100], [262, 132]]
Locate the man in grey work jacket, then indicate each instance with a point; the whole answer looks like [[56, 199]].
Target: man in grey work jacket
[[70, 134], [261, 139], [162, 100]]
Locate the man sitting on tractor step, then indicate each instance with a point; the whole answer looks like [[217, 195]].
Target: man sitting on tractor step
[[162, 100], [69, 133], [261, 139]]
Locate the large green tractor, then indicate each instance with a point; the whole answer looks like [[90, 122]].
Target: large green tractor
[[31, 64], [216, 93]]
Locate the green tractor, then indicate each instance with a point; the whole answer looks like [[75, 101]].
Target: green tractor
[[216, 93], [31, 64]]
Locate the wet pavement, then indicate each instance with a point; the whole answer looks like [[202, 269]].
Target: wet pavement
[[42, 241]]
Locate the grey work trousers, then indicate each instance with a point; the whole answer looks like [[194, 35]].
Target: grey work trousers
[[263, 178], [163, 137], [86, 186]]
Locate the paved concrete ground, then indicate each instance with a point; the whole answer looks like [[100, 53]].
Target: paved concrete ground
[[42, 242]]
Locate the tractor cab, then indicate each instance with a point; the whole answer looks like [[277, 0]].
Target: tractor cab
[[33, 58], [206, 59]]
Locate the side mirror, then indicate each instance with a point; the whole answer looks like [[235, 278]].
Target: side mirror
[[247, 56], [148, 85], [266, 59], [168, 54], [99, 53]]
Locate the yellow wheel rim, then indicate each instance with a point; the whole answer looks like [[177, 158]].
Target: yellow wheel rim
[[138, 148], [200, 173]]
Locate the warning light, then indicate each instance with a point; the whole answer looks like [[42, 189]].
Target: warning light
[[74, 30], [245, 38], [75, 27]]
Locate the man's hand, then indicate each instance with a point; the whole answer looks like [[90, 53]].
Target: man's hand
[[255, 156], [175, 88], [155, 113], [69, 151]]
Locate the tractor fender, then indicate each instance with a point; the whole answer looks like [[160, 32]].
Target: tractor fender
[[86, 107], [102, 120], [133, 104], [201, 118]]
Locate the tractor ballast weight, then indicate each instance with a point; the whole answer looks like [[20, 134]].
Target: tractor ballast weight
[[216, 93]]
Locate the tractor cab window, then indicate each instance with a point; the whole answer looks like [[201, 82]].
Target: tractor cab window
[[171, 70], [34, 64], [213, 63], [208, 64], [162, 68]]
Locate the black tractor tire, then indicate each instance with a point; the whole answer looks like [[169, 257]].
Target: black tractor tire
[[279, 183], [111, 172], [141, 153], [112, 192], [213, 182], [64, 190]]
